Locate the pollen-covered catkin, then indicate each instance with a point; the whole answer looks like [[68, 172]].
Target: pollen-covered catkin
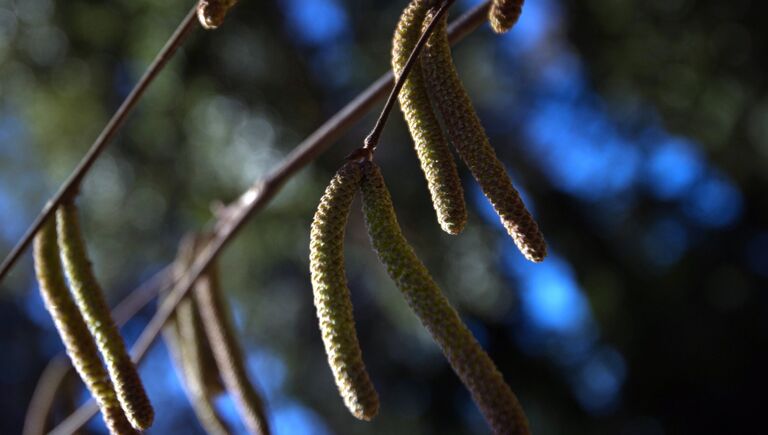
[[428, 138], [504, 14], [211, 13], [467, 134], [92, 305], [78, 341], [474, 367], [331, 294], [227, 353]]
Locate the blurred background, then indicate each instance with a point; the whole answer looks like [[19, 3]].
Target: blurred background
[[637, 132]]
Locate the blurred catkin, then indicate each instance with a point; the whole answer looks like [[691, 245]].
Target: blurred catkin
[[90, 300], [428, 138], [191, 351], [474, 367], [504, 14], [331, 294], [79, 343], [227, 353], [467, 134], [211, 13]]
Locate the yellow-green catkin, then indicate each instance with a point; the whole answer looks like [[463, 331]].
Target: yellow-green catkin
[[211, 13], [332, 297], [467, 134], [90, 300], [227, 353], [504, 14], [79, 343], [474, 367], [428, 138], [191, 351]]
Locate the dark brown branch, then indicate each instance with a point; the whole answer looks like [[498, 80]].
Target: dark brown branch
[[232, 218], [71, 185], [372, 139]]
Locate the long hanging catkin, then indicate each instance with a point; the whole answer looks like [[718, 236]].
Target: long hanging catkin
[[474, 367], [331, 294], [78, 341], [428, 139], [227, 353], [504, 14], [467, 134], [191, 351], [90, 301]]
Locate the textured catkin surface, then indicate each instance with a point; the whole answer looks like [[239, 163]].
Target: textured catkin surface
[[78, 341], [504, 14], [91, 302], [474, 367], [211, 13], [428, 138], [467, 134], [188, 351], [227, 353], [331, 294]]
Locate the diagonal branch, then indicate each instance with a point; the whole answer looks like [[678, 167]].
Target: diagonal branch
[[70, 186], [234, 216]]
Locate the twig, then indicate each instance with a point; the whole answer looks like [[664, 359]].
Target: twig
[[232, 218], [60, 366], [372, 139], [71, 185]]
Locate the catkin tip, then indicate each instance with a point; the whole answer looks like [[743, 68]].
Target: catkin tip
[[211, 13], [504, 14]]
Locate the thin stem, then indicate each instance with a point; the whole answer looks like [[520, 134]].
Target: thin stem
[[373, 137], [233, 217], [71, 185]]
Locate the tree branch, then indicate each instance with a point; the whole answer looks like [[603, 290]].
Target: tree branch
[[72, 184], [234, 216]]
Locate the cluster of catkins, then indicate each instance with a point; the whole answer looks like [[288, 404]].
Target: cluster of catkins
[[82, 317], [432, 84], [205, 350]]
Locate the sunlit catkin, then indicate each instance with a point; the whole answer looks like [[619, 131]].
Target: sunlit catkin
[[90, 300], [78, 341], [474, 367], [211, 13], [331, 294], [227, 353], [430, 143], [467, 134], [504, 14]]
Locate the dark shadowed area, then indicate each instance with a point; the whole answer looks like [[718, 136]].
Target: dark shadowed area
[[637, 132]]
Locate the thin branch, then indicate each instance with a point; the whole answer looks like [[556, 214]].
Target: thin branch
[[372, 139], [232, 218], [71, 185]]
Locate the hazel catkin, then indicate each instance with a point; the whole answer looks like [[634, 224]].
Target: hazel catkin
[[79, 343], [227, 353], [428, 138], [468, 136], [474, 367], [211, 13], [90, 300], [504, 14], [331, 294]]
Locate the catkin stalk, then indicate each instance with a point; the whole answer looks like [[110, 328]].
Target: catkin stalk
[[428, 138], [474, 367], [331, 294], [79, 343], [90, 300], [227, 353], [467, 134], [504, 14]]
